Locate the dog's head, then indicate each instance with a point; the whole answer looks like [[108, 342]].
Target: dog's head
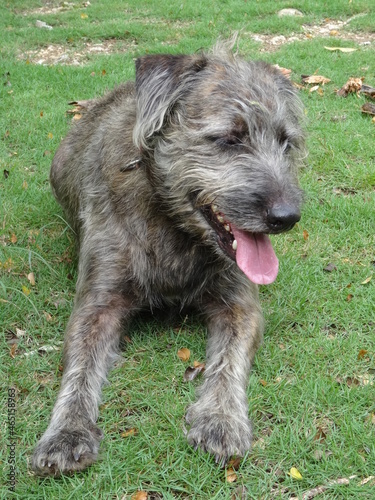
[[226, 141]]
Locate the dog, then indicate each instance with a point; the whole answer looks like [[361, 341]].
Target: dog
[[172, 184]]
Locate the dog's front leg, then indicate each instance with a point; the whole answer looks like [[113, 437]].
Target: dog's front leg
[[72, 439], [219, 420]]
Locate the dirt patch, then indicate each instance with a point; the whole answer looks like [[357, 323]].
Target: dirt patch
[[52, 8], [73, 56], [328, 29]]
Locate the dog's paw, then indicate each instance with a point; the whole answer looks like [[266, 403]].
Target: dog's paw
[[66, 450], [218, 433]]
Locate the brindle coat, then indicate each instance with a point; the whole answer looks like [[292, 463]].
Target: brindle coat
[[149, 178]]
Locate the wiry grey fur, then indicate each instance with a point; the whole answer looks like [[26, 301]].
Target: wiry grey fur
[[135, 176]]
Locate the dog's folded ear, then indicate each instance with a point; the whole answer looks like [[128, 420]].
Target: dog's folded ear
[[161, 80]]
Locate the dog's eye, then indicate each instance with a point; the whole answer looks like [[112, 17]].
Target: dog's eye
[[226, 140], [287, 146]]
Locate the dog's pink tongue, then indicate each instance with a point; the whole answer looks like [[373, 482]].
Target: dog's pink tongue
[[256, 257]]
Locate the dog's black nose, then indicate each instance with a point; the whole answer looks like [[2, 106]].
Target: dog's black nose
[[282, 217]]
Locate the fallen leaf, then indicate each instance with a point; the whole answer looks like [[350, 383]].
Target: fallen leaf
[[31, 279], [295, 473], [235, 463], [192, 372], [368, 108], [330, 267], [50, 135], [13, 238], [84, 16], [25, 185], [286, 72], [25, 290], [48, 316], [362, 353], [184, 354], [313, 89], [305, 235], [12, 351], [368, 91], [230, 475], [352, 86], [349, 297], [140, 495], [20, 333], [341, 49], [129, 432], [367, 280], [314, 79], [263, 382]]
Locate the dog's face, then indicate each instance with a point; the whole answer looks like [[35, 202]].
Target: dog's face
[[234, 128]]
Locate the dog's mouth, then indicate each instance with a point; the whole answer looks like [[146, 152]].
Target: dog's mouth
[[252, 252]]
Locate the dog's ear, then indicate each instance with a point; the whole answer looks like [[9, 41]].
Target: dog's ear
[[161, 80]]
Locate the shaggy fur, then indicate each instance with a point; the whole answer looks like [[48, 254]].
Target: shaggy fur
[[155, 178]]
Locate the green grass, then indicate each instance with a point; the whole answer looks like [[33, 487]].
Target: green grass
[[312, 388]]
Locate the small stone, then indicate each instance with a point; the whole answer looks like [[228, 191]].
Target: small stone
[[42, 24], [278, 40], [290, 12]]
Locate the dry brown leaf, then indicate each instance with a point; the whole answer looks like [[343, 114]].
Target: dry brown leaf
[[349, 297], [12, 351], [129, 432], [263, 382], [368, 91], [305, 235], [315, 79], [313, 89], [13, 238], [330, 267], [140, 495], [48, 316], [286, 72], [362, 353], [31, 279], [352, 86], [230, 475], [184, 354], [368, 108], [235, 463]]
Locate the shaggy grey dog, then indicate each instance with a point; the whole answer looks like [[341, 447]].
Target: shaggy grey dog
[[172, 185]]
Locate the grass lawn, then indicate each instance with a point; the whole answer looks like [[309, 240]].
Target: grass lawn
[[312, 389]]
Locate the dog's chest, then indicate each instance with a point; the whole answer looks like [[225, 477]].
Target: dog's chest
[[171, 266]]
